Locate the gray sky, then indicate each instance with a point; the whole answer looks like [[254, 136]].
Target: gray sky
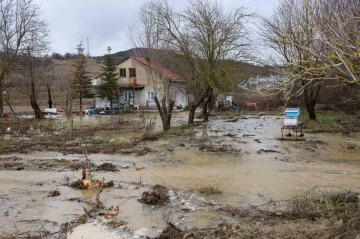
[[106, 22]]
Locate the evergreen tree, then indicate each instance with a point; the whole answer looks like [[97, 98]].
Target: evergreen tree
[[109, 87], [81, 84]]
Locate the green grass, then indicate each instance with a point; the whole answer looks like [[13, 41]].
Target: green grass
[[181, 130], [326, 121]]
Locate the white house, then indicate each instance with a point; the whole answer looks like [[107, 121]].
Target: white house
[[139, 81]]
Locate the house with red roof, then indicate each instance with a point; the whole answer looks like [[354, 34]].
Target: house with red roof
[[140, 80]]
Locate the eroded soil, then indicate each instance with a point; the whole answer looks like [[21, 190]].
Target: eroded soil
[[256, 174]]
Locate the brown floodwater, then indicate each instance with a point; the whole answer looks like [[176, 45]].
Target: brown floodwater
[[252, 178]]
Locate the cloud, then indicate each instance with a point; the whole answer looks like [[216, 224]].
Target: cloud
[[104, 22]]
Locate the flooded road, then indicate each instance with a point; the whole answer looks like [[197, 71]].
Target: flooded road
[[266, 169]]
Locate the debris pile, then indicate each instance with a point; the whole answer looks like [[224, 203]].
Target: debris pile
[[54, 193], [221, 231], [158, 196], [85, 184], [107, 167], [112, 211]]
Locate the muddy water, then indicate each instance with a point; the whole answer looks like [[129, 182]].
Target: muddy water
[[252, 178]]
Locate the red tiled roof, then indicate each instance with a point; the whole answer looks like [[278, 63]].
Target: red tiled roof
[[163, 71]]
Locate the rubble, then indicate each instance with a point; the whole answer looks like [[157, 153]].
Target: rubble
[[158, 196]]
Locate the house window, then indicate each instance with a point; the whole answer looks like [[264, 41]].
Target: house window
[[151, 96], [122, 72], [128, 96], [132, 72]]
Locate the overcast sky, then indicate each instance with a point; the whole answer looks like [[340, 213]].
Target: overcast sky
[[106, 22]]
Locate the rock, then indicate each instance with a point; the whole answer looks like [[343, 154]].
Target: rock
[[147, 233]]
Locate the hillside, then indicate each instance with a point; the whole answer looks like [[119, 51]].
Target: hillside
[[63, 70], [58, 81], [123, 55], [248, 70]]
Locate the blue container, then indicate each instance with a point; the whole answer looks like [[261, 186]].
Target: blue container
[[234, 107], [292, 112]]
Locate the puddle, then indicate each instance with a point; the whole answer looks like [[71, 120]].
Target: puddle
[[248, 179]]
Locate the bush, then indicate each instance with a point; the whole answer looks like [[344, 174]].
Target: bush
[[128, 109]]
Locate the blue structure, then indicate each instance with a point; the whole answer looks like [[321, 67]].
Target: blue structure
[[292, 112], [291, 122]]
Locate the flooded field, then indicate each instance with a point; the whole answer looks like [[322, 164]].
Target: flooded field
[[258, 169]]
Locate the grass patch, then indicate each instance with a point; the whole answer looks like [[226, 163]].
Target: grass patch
[[318, 202], [329, 121], [181, 130], [210, 190]]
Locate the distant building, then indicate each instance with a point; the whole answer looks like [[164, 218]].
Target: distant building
[[262, 83]]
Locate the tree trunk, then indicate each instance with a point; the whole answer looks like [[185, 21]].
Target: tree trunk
[[49, 96], [311, 111], [80, 102], [1, 98], [11, 108], [165, 111], [37, 111], [169, 116], [212, 103], [205, 111], [69, 112], [206, 106], [194, 106], [192, 114], [311, 93]]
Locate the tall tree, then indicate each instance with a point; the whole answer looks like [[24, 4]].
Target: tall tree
[[21, 25], [316, 40], [81, 83], [147, 36], [30, 78], [290, 33], [203, 36], [109, 87]]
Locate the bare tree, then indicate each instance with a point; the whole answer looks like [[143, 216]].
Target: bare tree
[[316, 40], [147, 34], [21, 26], [31, 77], [290, 33], [201, 38], [338, 25]]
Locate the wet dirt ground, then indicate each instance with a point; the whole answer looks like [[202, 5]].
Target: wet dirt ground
[[255, 170]]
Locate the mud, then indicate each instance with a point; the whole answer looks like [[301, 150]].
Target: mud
[[231, 163], [157, 196]]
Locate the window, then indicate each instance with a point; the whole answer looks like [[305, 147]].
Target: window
[[132, 72], [128, 96], [122, 72], [151, 96]]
